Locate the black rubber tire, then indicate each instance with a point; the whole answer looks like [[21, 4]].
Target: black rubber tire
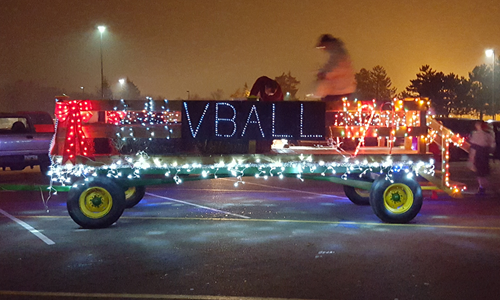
[[355, 197], [399, 214], [136, 197], [113, 209]]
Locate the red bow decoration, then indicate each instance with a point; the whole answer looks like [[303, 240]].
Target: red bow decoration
[[71, 114]]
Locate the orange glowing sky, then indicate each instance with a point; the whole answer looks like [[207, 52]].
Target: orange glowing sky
[[167, 47]]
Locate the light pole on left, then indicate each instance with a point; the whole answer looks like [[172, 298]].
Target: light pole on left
[[101, 30]]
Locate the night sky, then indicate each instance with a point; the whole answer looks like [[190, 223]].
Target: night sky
[[167, 47]]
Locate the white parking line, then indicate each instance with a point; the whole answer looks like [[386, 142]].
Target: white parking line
[[287, 189], [200, 206], [132, 296], [28, 227]]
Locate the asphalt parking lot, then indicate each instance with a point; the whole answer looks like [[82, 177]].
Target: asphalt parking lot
[[264, 239]]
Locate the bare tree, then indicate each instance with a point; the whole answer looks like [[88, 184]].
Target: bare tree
[[288, 85]]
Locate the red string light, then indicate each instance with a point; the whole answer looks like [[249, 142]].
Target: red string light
[[73, 113]]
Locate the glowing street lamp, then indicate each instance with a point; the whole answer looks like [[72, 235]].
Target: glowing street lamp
[[121, 81], [101, 30], [491, 53]]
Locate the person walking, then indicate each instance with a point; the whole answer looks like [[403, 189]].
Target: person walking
[[482, 144]]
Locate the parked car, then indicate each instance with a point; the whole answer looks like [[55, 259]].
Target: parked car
[[25, 139]]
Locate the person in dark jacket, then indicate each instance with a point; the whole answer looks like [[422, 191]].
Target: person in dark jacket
[[266, 89]]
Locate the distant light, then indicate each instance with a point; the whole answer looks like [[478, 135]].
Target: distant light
[[121, 81], [489, 52], [101, 28]]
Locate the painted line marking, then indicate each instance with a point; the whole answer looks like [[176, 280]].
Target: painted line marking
[[197, 205], [28, 227], [323, 222], [135, 296], [287, 189], [235, 190], [289, 221]]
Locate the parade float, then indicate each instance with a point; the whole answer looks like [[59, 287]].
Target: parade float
[[105, 153]]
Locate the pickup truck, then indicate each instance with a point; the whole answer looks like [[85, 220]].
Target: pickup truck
[[25, 139]]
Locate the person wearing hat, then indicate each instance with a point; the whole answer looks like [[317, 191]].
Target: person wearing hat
[[335, 80]]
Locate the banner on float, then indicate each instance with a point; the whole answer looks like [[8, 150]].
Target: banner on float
[[253, 120]]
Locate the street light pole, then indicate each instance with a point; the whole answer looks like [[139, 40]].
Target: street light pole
[[491, 52], [101, 30], [493, 88]]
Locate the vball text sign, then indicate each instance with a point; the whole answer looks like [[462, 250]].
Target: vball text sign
[[253, 120]]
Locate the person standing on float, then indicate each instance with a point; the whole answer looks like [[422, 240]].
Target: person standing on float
[[334, 81]]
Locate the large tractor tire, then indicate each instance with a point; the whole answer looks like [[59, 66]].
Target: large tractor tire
[[97, 203], [398, 201], [133, 195], [357, 196]]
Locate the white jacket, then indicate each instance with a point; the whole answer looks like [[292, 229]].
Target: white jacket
[[483, 138]]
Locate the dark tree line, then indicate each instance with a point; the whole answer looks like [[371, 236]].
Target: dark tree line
[[449, 93], [374, 84], [32, 96], [28, 96]]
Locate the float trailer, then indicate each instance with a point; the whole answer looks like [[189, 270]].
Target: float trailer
[[106, 152]]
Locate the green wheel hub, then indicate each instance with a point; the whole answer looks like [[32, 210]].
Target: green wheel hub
[[130, 192], [398, 198], [95, 202]]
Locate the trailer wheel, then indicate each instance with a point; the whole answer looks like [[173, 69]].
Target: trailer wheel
[[357, 196], [133, 195], [96, 203], [396, 202]]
